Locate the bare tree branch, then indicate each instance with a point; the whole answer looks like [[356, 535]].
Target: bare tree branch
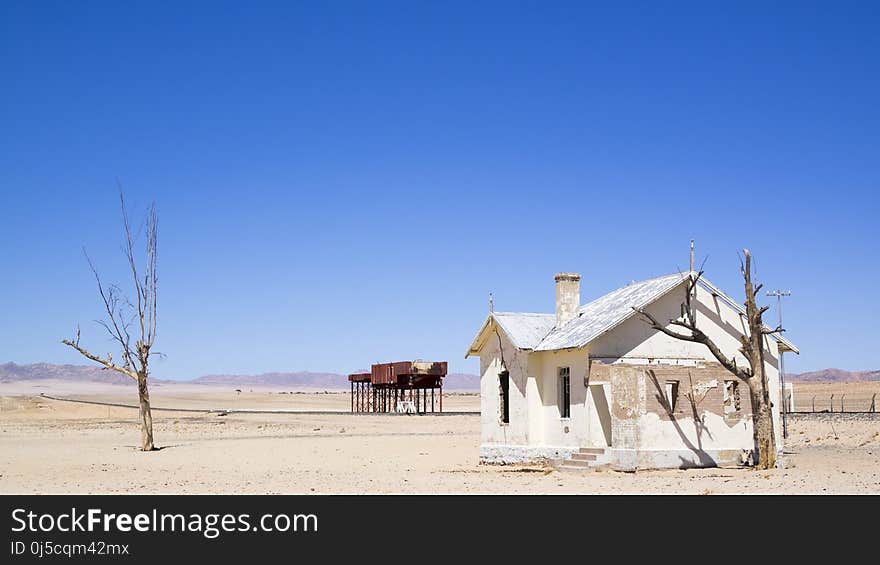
[[697, 336], [107, 362], [660, 327], [703, 264], [123, 314], [119, 331], [751, 346], [130, 256]]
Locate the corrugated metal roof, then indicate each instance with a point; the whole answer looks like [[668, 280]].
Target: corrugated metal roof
[[525, 330], [538, 331], [608, 311]]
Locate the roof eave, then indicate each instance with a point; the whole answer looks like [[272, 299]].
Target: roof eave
[[475, 346]]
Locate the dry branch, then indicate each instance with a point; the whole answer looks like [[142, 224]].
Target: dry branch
[[751, 346], [107, 362], [122, 312]]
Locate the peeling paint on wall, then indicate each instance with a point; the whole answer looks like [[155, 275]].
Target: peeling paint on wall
[[669, 402]]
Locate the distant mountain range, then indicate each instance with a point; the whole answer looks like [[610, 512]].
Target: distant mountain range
[[305, 379], [834, 375], [452, 381], [301, 379], [43, 371]]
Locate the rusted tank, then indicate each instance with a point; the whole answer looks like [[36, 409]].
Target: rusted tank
[[400, 372], [391, 387]]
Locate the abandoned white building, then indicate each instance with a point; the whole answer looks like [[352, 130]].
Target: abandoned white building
[[595, 384]]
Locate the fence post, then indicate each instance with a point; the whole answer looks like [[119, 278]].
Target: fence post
[[814, 403], [873, 400], [832, 403], [841, 402]]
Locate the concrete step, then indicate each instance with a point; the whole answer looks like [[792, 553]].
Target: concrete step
[[585, 458], [568, 468], [575, 464]]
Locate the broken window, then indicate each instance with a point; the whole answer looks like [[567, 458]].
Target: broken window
[[731, 397], [564, 392], [504, 388], [671, 394]]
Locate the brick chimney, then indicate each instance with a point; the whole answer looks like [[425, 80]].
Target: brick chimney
[[568, 297]]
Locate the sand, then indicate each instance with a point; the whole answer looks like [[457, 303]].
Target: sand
[[49, 446], [855, 396]]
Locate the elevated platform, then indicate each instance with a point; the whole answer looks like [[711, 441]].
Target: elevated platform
[[401, 386]]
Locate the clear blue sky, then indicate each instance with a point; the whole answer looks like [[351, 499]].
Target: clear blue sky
[[341, 183]]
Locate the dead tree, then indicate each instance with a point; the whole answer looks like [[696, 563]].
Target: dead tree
[[751, 347], [125, 318]]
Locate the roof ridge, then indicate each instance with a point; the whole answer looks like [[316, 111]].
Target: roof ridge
[[607, 311], [527, 313], [681, 275]]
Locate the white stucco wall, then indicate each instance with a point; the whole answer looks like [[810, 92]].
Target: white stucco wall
[[724, 325], [535, 420], [492, 430], [558, 431], [537, 404]]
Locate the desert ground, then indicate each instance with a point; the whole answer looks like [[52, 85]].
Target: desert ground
[[851, 397], [53, 446]]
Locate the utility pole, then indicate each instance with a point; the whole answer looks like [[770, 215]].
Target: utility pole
[[692, 255], [779, 294]]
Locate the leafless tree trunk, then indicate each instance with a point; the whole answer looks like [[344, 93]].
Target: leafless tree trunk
[[752, 347], [125, 318]]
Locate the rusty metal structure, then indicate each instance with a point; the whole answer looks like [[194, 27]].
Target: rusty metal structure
[[400, 387]]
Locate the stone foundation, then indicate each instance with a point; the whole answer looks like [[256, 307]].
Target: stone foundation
[[508, 454], [633, 460], [618, 459]]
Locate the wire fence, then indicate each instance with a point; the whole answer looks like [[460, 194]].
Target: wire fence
[[841, 403]]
